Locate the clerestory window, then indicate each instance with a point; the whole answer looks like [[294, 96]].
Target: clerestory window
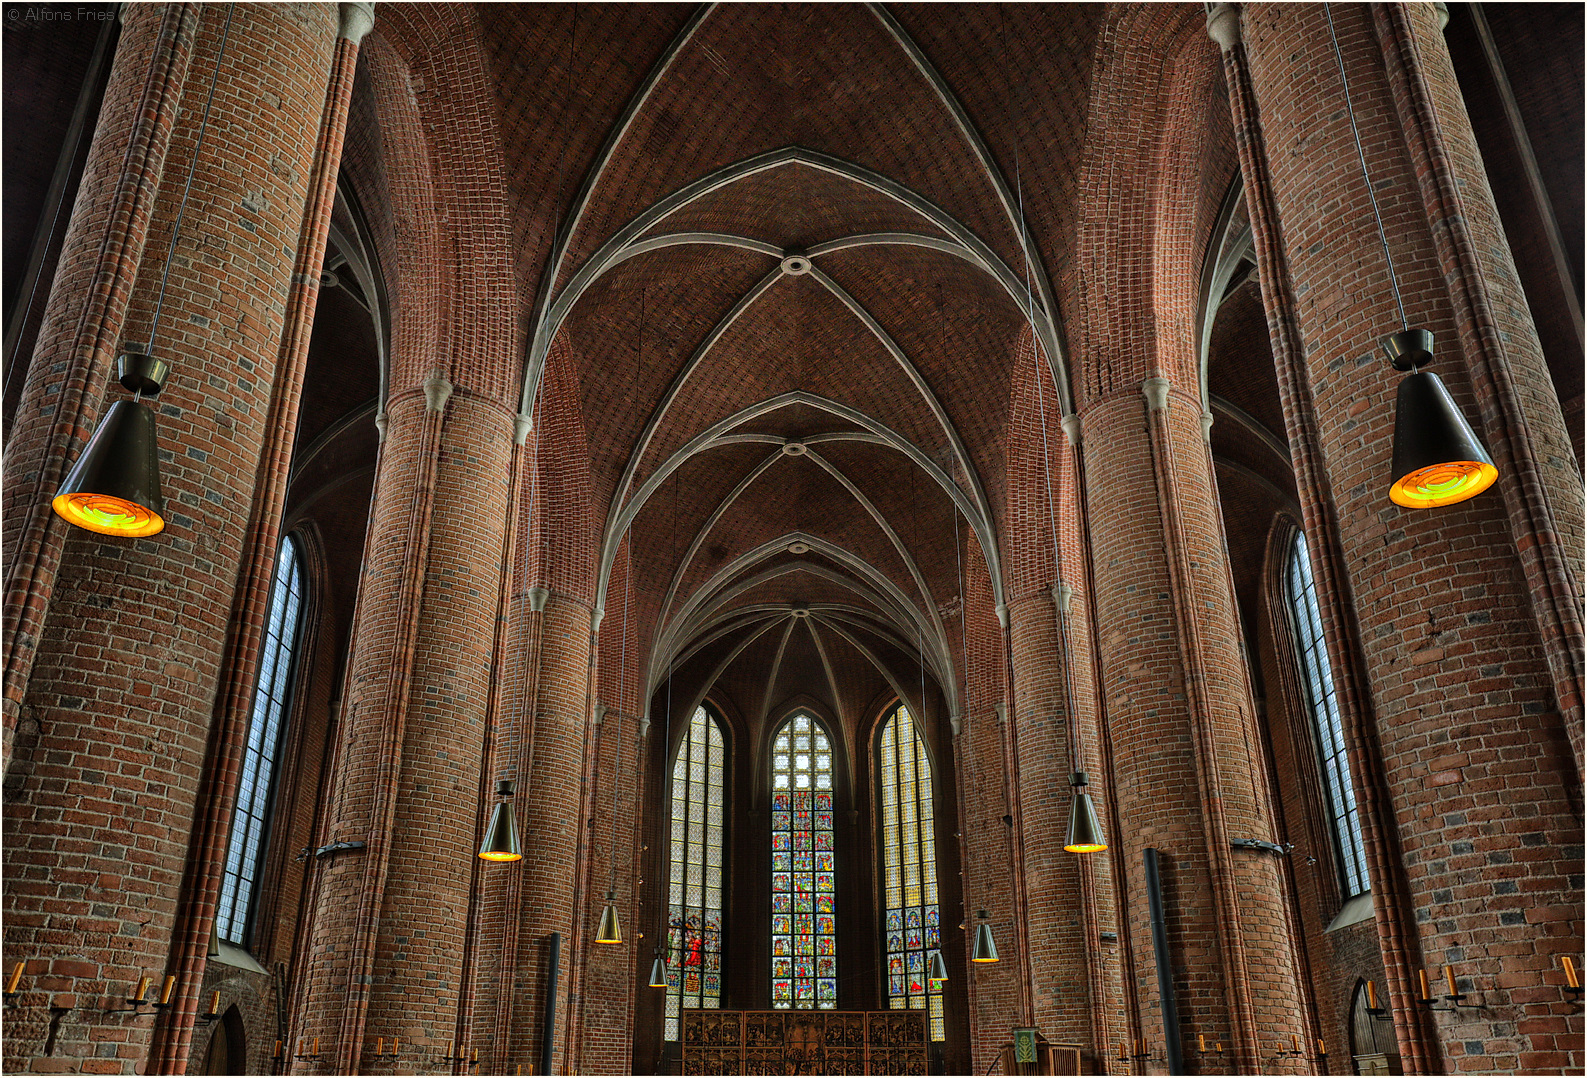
[[251, 818], [1327, 726]]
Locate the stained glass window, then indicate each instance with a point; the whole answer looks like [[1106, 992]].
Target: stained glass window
[[250, 819], [1317, 677], [804, 934], [912, 933], [694, 910]]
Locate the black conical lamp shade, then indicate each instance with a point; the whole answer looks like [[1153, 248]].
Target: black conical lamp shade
[[1437, 457], [939, 968], [1085, 831], [658, 973], [114, 488], [610, 931], [501, 837], [985, 949]]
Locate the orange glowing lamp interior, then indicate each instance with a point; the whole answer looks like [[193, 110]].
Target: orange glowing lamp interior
[[497, 855], [1443, 484], [108, 515], [1086, 847]]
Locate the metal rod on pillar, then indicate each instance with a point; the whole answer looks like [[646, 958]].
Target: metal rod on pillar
[[1165, 970], [548, 1027]]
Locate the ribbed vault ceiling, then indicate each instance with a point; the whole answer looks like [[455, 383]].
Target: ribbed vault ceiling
[[791, 284]]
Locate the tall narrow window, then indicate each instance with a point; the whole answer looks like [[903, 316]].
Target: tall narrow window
[[804, 934], [694, 910], [1317, 677], [250, 821], [909, 870]]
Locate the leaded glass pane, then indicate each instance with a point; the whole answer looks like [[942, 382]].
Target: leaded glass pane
[[1327, 725], [803, 878], [271, 697], [694, 911], [912, 932]]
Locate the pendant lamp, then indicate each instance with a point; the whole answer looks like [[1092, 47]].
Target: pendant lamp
[[501, 837], [610, 931], [985, 947], [939, 968], [114, 488], [1085, 832], [658, 971], [1438, 459]]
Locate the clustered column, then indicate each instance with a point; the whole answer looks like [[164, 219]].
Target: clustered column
[[1474, 720], [117, 645]]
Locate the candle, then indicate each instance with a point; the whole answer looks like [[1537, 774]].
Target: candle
[[1372, 996], [1201, 1042], [142, 990], [1449, 975], [1122, 1054], [474, 1056], [1320, 1049], [16, 978], [1421, 977], [1218, 1047], [170, 986], [278, 1051], [448, 1051], [214, 1004], [394, 1042], [1571, 980], [1294, 1044], [316, 1047], [380, 1046]]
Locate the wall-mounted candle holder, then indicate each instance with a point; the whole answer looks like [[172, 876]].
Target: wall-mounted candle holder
[[1201, 1046], [380, 1048], [1292, 1052], [14, 983], [311, 1056], [140, 995], [213, 1011], [166, 991], [1572, 981], [1454, 996]]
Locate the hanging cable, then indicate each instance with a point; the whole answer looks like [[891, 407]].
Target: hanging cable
[[1377, 215], [187, 188]]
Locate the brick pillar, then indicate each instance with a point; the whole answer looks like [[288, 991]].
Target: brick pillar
[[1184, 734], [390, 926], [1460, 612], [128, 654], [1393, 909], [82, 325], [240, 670], [553, 835]]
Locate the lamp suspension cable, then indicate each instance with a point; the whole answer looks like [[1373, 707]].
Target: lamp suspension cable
[[1355, 133], [113, 488], [187, 187]]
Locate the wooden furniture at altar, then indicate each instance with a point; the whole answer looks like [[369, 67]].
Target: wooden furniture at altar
[[1050, 1059], [804, 1042]]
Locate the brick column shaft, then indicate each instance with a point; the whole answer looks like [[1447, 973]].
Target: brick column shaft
[[240, 668], [1456, 633], [128, 660], [391, 926], [1183, 729], [83, 320]]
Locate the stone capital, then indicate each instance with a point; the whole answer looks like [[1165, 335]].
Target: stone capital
[[437, 391], [1155, 390], [357, 19], [1223, 24]]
